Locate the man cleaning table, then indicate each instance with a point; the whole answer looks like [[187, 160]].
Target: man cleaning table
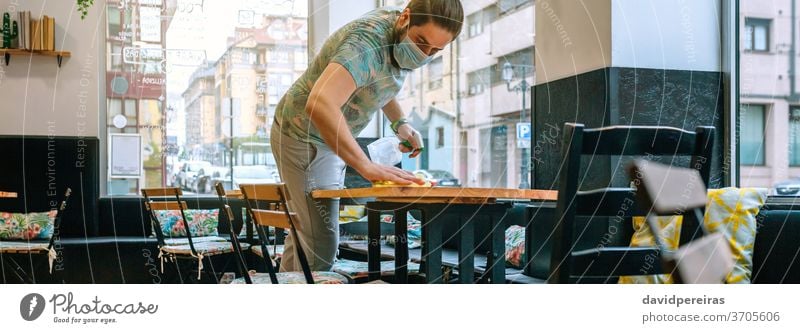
[[359, 70]]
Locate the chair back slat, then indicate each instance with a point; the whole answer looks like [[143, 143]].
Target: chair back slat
[[638, 140], [263, 192], [8, 195], [162, 192], [272, 218], [617, 202], [234, 194], [168, 205]]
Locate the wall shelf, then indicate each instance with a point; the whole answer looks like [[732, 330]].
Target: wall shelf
[[59, 55]]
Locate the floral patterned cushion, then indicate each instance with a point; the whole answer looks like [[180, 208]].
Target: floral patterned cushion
[[206, 249], [23, 247], [185, 241], [296, 278], [275, 251], [730, 211], [515, 246], [202, 222], [22, 226], [358, 269]]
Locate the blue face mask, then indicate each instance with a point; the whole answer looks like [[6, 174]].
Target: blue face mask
[[409, 56]]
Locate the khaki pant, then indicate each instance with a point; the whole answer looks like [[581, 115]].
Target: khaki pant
[[305, 167]]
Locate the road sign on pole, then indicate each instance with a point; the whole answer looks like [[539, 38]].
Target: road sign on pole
[[523, 135]]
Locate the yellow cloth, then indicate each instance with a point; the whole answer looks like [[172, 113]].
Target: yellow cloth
[[387, 183], [731, 211]]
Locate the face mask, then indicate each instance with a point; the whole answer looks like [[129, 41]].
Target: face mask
[[409, 55]]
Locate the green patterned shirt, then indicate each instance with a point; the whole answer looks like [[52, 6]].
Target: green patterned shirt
[[363, 47]]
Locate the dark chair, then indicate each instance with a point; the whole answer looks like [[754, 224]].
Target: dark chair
[[185, 249], [605, 264], [267, 207], [32, 248]]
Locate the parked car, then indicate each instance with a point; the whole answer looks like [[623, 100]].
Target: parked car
[[187, 175], [206, 179], [789, 187], [173, 171], [439, 178], [249, 174]]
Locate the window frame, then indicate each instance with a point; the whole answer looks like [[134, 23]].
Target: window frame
[[438, 62], [794, 107], [758, 22], [765, 110]]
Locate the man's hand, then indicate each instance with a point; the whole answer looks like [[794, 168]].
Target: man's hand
[[407, 133], [375, 172]]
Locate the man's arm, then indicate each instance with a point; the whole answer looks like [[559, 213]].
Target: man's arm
[[394, 112], [331, 91]]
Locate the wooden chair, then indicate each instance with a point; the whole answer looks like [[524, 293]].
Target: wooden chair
[[257, 247], [177, 250], [605, 264], [663, 190], [267, 207], [32, 248]]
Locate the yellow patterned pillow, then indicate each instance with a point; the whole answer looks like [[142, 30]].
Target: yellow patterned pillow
[[731, 211]]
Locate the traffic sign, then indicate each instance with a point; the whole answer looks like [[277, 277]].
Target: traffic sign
[[523, 135]]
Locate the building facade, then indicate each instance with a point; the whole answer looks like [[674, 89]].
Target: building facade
[[769, 136]]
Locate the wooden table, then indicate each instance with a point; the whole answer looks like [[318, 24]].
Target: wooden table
[[436, 203]]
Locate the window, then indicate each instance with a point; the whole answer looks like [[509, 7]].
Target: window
[[300, 59], [477, 21], [114, 26], [210, 60], [794, 136], [522, 57], [507, 6], [751, 134], [440, 137], [435, 73], [756, 34], [477, 81], [278, 57]]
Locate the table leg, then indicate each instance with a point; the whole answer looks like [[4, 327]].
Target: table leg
[[432, 246], [401, 246], [374, 243], [466, 251], [498, 269]]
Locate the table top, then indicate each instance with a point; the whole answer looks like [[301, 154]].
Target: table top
[[466, 195]]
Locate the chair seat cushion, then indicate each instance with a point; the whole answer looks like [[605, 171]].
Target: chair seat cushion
[[358, 269], [185, 241], [206, 249], [22, 247], [296, 278], [275, 252]]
